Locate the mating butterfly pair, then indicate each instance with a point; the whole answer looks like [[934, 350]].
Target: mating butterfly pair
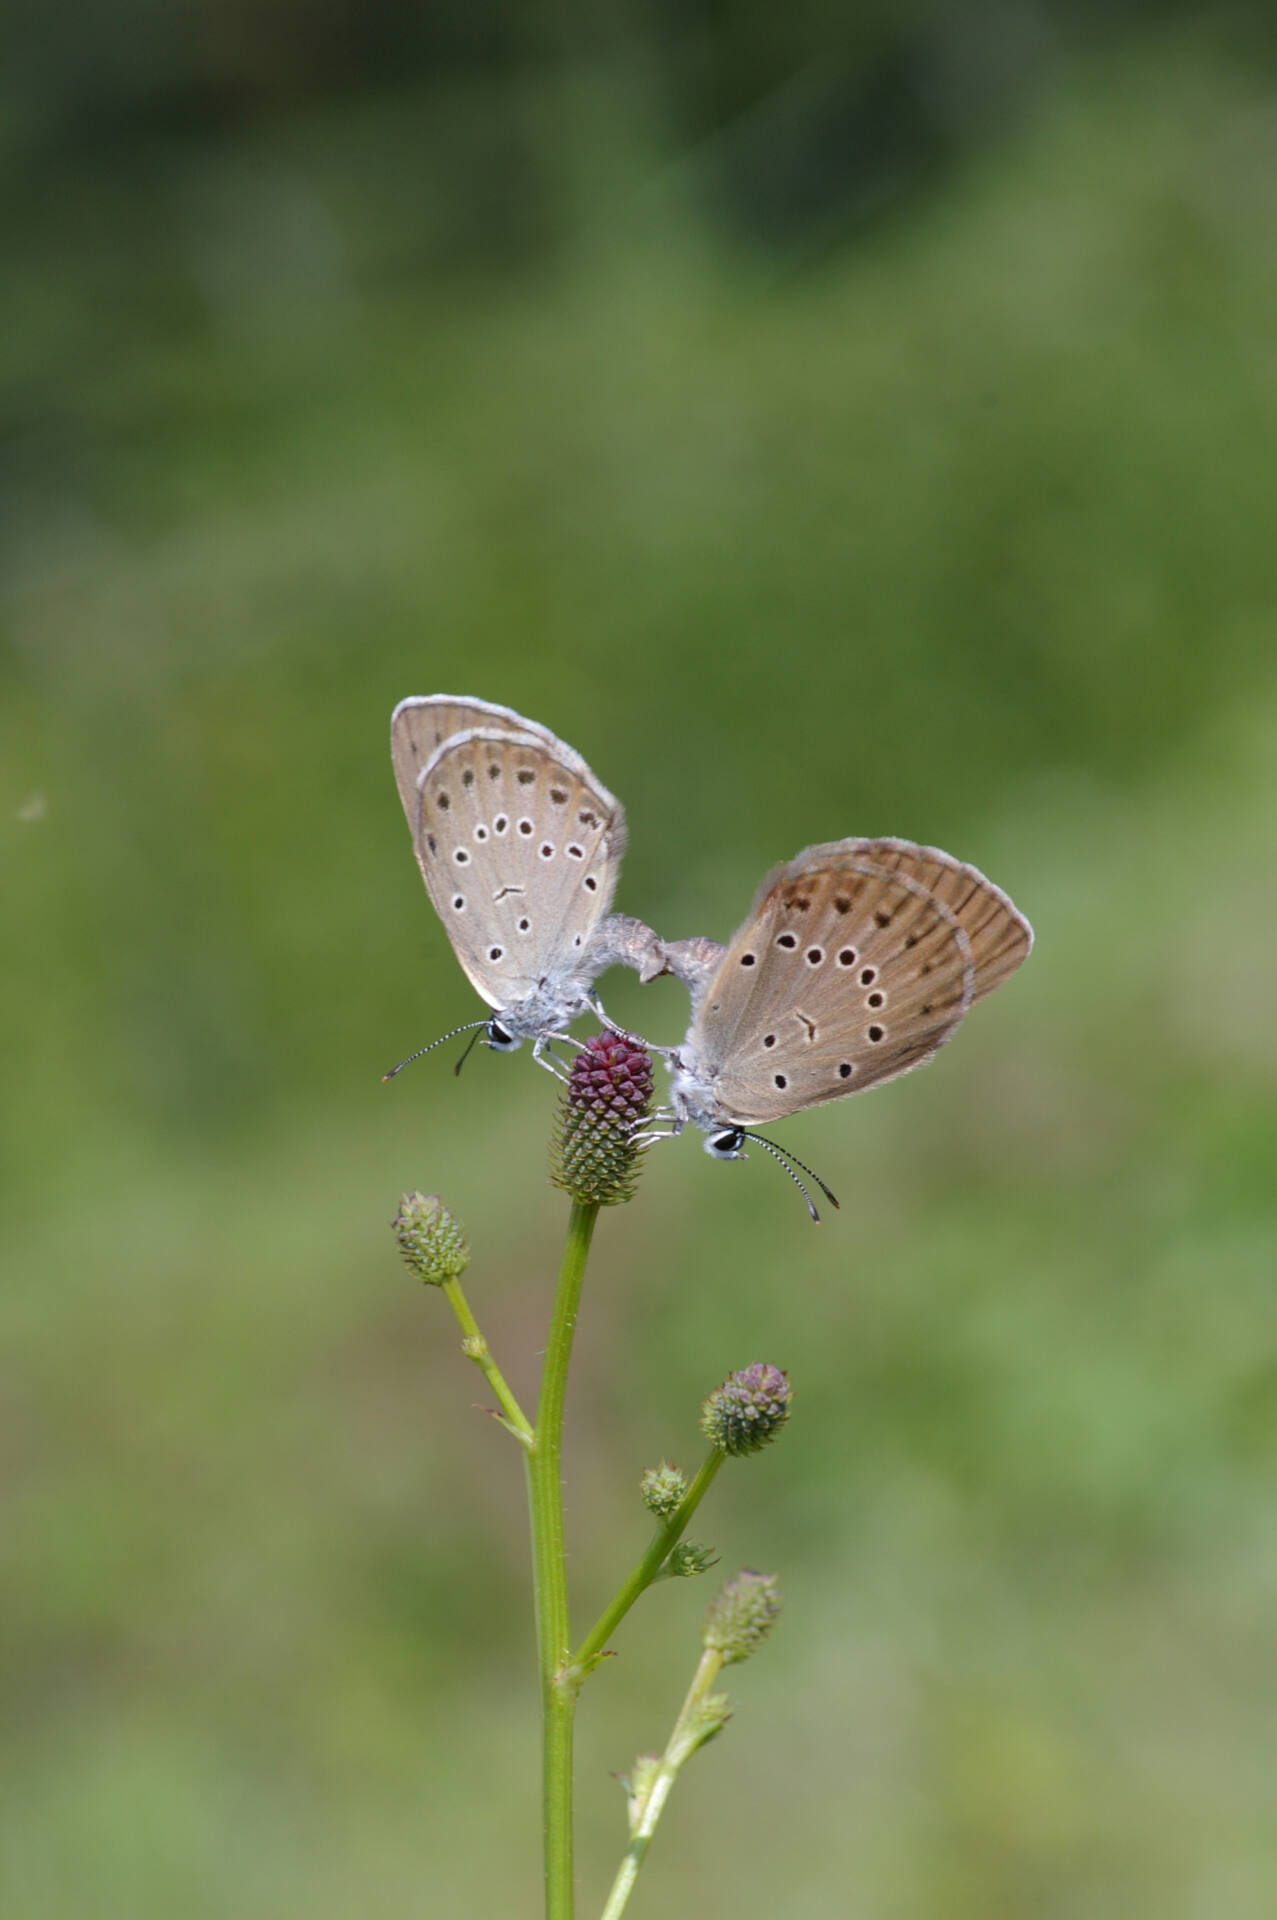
[[858, 960]]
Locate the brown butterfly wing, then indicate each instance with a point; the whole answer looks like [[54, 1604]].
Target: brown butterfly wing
[[845, 975], [1001, 938]]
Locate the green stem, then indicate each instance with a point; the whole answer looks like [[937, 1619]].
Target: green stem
[[682, 1743], [649, 1566], [545, 1501], [475, 1347]]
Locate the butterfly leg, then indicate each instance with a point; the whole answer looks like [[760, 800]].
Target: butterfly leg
[[543, 1056], [663, 1124], [649, 1136], [635, 1039]]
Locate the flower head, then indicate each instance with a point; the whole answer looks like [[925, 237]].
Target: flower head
[[748, 1410], [593, 1156]]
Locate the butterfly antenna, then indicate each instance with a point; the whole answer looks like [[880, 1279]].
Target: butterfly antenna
[[471, 1044], [811, 1173], [433, 1044]]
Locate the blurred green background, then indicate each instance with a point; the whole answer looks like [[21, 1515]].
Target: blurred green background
[[830, 423]]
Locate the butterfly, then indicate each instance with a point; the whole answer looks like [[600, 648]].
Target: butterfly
[[858, 960], [520, 847]]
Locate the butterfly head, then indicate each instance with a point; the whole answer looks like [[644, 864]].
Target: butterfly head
[[725, 1143], [497, 1035]]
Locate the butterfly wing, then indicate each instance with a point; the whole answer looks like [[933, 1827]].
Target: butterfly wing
[[1001, 938], [420, 725], [845, 975], [520, 847]]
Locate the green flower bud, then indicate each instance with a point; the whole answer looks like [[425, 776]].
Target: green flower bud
[[688, 1558], [664, 1490], [430, 1238], [742, 1616], [607, 1098], [748, 1410]]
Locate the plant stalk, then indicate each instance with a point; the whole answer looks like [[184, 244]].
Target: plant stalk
[[545, 1502], [682, 1743], [642, 1576], [475, 1348]]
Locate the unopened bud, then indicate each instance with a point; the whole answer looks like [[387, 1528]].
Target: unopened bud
[[431, 1239], [689, 1558], [664, 1490], [742, 1616]]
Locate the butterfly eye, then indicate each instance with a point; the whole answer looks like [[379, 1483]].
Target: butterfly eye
[[501, 1038], [727, 1144]]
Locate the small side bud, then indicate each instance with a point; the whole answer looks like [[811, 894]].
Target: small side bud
[[709, 1717], [638, 1787], [664, 1490], [606, 1101], [687, 1559], [742, 1616], [431, 1239], [748, 1410]]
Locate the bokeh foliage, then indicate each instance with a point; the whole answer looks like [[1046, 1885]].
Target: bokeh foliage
[[916, 480]]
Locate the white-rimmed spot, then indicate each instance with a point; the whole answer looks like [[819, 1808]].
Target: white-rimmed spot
[[496, 953], [847, 958], [461, 857], [546, 849], [525, 926], [787, 940], [500, 824], [575, 852], [481, 832], [814, 956], [846, 1070], [875, 1034], [749, 959], [459, 902], [868, 975], [525, 826], [875, 999], [590, 884]]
